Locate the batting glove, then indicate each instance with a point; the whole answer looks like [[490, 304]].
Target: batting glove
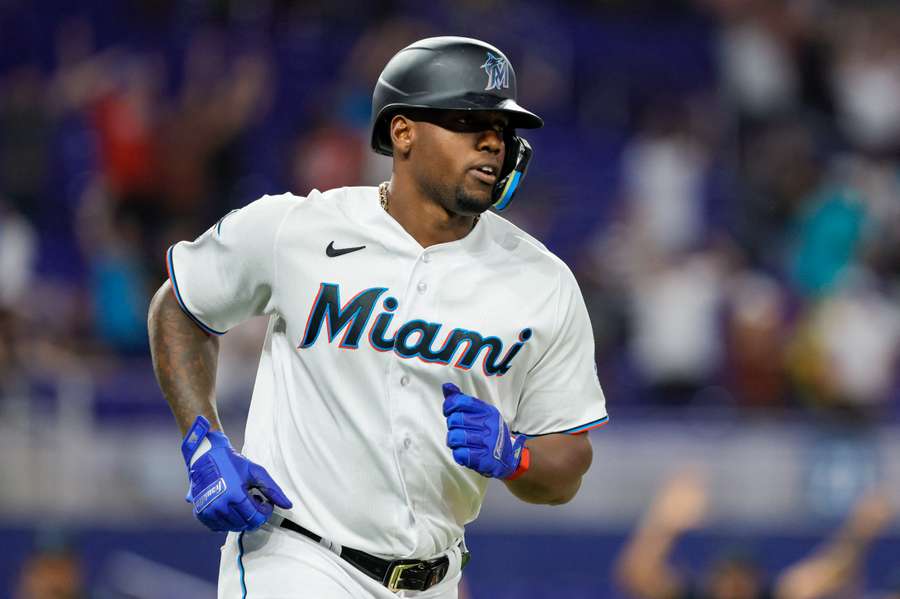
[[229, 492], [480, 438]]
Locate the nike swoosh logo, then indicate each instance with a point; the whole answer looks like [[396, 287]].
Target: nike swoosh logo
[[333, 252]]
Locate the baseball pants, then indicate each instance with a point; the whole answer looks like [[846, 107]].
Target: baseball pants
[[274, 563]]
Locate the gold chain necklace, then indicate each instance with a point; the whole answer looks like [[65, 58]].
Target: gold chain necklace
[[383, 199], [382, 195]]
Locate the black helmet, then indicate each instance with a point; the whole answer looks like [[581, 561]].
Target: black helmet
[[455, 73]]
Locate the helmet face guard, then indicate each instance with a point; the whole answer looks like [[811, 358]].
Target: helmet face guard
[[455, 74]]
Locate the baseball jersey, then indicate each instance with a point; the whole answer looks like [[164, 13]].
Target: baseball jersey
[[365, 325]]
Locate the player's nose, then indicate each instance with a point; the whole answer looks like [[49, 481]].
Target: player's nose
[[490, 141]]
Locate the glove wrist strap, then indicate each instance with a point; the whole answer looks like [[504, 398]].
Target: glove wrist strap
[[194, 437], [524, 464]]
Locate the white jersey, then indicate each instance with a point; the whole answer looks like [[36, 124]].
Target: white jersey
[[364, 327]]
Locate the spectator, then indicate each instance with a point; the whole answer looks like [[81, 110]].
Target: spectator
[[664, 169], [834, 567], [52, 571], [866, 77], [845, 352], [756, 324], [676, 343], [18, 255]]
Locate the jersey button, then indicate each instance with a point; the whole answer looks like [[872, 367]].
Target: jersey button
[[407, 443], [404, 380], [422, 287], [426, 258]]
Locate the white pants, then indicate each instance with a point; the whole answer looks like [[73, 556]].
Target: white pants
[[274, 563]]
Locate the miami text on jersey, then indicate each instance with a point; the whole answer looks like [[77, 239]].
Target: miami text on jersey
[[414, 339]]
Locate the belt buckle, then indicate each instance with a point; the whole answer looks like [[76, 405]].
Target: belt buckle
[[396, 570]]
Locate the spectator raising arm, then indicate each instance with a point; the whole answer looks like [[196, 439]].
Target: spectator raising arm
[[837, 561], [642, 569]]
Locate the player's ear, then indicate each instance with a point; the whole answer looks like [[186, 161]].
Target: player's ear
[[401, 135]]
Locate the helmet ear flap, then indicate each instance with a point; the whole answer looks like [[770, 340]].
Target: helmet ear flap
[[381, 134], [515, 164], [512, 143]]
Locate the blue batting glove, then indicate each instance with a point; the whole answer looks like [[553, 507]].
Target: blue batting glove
[[229, 492], [478, 435]]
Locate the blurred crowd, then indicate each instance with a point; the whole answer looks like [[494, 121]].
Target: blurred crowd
[[753, 257], [722, 175]]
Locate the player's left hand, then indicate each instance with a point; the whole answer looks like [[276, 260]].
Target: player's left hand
[[478, 435]]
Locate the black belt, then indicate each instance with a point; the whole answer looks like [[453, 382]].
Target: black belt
[[396, 575]]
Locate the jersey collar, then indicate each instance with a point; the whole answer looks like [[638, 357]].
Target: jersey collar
[[394, 236]]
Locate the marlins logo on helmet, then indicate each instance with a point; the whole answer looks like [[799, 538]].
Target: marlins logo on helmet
[[497, 70]]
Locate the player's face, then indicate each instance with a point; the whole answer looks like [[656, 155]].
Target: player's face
[[458, 156]]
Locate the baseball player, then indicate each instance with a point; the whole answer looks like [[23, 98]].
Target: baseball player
[[418, 346]]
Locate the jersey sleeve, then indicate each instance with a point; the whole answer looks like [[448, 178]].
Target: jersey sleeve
[[562, 393], [227, 275]]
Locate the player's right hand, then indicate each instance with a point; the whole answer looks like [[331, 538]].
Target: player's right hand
[[228, 491]]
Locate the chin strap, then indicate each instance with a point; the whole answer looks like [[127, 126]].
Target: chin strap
[[505, 188]]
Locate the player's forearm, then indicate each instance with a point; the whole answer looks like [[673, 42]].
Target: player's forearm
[[557, 464], [184, 360]]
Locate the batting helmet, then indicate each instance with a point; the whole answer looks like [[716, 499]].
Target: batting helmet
[[455, 73]]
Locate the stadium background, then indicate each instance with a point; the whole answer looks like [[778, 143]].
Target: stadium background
[[721, 175]]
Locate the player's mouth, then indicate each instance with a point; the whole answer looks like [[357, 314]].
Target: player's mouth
[[486, 173]]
